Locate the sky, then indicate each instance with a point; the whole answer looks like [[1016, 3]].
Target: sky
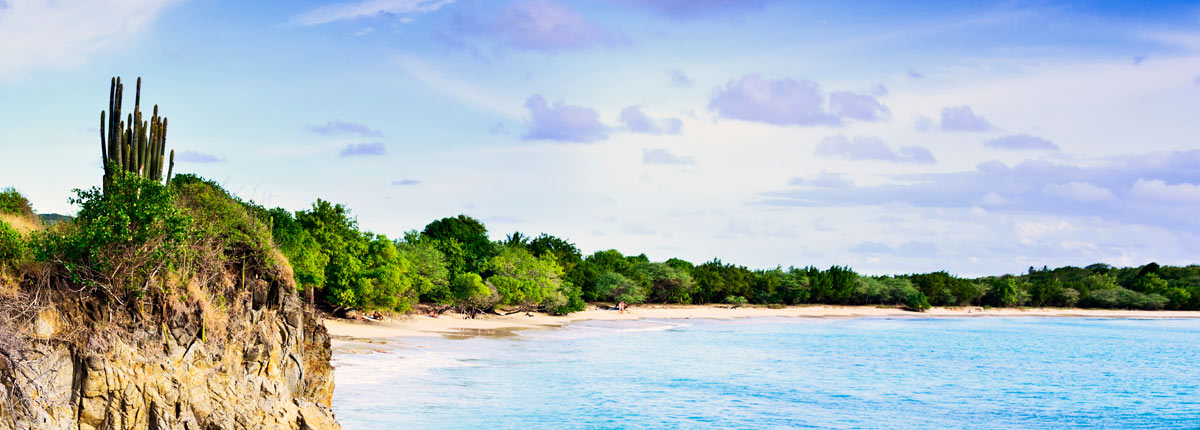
[[973, 137]]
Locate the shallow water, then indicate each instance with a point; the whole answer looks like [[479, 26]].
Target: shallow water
[[903, 373]]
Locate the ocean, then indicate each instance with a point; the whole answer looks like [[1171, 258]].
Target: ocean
[[775, 373]]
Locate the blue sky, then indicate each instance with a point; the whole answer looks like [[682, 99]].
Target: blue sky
[[974, 137]]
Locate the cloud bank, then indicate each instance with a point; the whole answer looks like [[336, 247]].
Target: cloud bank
[[563, 123], [638, 122], [871, 148], [339, 127], [662, 156], [404, 9], [1021, 142], [370, 149], [963, 118], [790, 101]]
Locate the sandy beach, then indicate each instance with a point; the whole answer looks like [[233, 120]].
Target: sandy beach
[[456, 324]]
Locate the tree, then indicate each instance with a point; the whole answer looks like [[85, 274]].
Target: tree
[[616, 287], [300, 248], [917, 301], [717, 280], [1008, 294], [385, 279], [516, 240], [471, 293], [524, 280], [472, 242], [342, 244], [429, 275], [668, 284], [564, 252]]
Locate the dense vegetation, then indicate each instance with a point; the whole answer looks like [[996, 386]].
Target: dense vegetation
[[453, 262]]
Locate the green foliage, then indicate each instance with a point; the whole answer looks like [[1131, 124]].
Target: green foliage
[[717, 281], [1105, 292], [120, 238], [453, 262], [361, 270], [223, 217], [917, 301], [13, 203], [570, 300], [565, 253], [735, 300], [615, 287], [833, 286], [430, 277], [1008, 293], [470, 291], [301, 249], [12, 245], [668, 284], [524, 280], [464, 242], [886, 290], [942, 289]]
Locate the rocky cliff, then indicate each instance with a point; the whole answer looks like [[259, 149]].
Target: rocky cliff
[[272, 372]]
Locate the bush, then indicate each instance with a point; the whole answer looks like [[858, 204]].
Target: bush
[[917, 301], [13, 203], [228, 220], [470, 292], [569, 298], [617, 288], [736, 301], [123, 237], [12, 245]]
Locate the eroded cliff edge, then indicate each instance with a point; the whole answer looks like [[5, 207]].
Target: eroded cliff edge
[[191, 325], [273, 372]]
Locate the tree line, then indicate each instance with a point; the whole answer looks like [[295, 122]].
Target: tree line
[[452, 262]]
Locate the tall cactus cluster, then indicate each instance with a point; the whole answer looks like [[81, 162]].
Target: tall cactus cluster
[[133, 144]]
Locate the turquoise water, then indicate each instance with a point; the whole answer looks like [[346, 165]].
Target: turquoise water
[[905, 373]]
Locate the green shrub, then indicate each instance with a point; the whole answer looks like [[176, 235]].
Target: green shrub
[[121, 238], [12, 245], [470, 291], [917, 301], [617, 288], [569, 298], [220, 216], [735, 300], [12, 202]]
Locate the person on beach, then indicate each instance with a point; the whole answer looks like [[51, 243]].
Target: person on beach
[[621, 307]]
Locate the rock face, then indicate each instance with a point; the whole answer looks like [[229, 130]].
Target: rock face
[[272, 372]]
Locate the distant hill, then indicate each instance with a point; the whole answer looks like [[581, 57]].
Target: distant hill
[[51, 219]]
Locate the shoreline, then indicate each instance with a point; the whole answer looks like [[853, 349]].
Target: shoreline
[[453, 324]]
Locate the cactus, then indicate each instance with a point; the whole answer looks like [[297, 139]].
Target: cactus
[[135, 144]]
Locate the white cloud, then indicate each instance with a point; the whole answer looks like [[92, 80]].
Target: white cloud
[[1159, 190], [1080, 191], [364, 9], [60, 34], [663, 156], [993, 199]]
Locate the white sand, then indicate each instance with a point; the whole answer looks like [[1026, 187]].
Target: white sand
[[450, 323]]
